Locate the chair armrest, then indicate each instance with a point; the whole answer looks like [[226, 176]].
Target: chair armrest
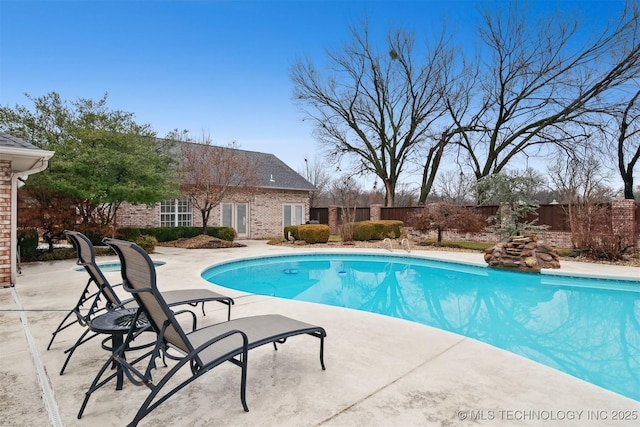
[[194, 323]]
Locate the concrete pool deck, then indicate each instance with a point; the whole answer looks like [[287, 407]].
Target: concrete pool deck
[[380, 371]]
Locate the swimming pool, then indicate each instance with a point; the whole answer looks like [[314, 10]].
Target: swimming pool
[[588, 328], [108, 267]]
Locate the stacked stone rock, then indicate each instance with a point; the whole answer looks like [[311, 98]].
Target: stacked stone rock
[[522, 253]]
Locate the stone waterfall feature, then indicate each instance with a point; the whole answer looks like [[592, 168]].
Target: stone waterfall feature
[[522, 253]]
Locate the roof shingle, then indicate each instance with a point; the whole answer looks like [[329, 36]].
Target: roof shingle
[[7, 140]]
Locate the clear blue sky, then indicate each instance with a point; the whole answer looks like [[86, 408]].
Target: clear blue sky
[[220, 67]]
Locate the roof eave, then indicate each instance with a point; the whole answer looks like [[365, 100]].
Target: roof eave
[[25, 159]]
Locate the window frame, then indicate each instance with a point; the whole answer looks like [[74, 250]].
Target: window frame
[[180, 213], [293, 214]]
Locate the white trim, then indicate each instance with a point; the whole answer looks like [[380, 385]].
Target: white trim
[[40, 164], [294, 219]]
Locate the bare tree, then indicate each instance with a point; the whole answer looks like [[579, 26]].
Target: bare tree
[[346, 192], [456, 188], [582, 187], [210, 174], [316, 173], [406, 195], [623, 135], [539, 84], [376, 106]]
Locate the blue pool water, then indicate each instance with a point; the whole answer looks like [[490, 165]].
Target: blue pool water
[[588, 328], [115, 266]]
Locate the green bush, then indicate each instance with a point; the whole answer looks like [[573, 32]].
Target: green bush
[[293, 229], [95, 237], [377, 230], [225, 233], [28, 242], [146, 242], [167, 234], [128, 233], [314, 233]]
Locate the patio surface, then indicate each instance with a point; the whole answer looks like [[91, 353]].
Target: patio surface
[[380, 371]]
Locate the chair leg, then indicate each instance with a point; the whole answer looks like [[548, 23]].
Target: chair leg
[[229, 303], [72, 349], [85, 296], [149, 405], [96, 384], [61, 328]]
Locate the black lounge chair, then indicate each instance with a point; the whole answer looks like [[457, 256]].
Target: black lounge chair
[[201, 350], [91, 300]]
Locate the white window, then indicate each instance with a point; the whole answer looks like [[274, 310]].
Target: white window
[[176, 213], [292, 214]]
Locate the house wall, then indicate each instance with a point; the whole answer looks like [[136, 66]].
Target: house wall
[[265, 212], [138, 216], [5, 223]]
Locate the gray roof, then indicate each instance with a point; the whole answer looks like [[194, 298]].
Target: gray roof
[[273, 172], [7, 140], [276, 174]]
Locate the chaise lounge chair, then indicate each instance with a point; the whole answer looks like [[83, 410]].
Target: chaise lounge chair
[[201, 350], [91, 301]]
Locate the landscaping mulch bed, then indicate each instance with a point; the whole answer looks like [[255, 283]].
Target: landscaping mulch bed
[[201, 242]]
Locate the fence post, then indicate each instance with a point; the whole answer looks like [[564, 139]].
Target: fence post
[[375, 211], [623, 219], [333, 219]]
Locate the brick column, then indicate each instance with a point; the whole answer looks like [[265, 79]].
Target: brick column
[[375, 212], [623, 219], [5, 224], [333, 219]]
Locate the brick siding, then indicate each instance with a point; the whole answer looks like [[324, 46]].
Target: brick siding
[[5, 221], [138, 216], [265, 212]]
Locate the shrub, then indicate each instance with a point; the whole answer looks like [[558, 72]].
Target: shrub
[[608, 243], [447, 216], [225, 233], [293, 229], [377, 230], [95, 237], [128, 233], [28, 242], [167, 234], [346, 231], [314, 233], [147, 242]]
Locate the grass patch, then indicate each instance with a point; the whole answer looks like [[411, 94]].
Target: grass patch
[[276, 241], [474, 246]]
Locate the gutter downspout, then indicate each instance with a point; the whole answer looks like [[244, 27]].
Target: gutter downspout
[[15, 177]]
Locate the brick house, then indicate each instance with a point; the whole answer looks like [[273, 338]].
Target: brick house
[[18, 160], [282, 199]]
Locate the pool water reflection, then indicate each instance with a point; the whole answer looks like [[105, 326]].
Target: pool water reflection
[[589, 328]]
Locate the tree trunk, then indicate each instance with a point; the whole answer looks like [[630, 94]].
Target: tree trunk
[[205, 220]]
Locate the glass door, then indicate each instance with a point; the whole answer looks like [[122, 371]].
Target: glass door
[[241, 219], [236, 215]]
